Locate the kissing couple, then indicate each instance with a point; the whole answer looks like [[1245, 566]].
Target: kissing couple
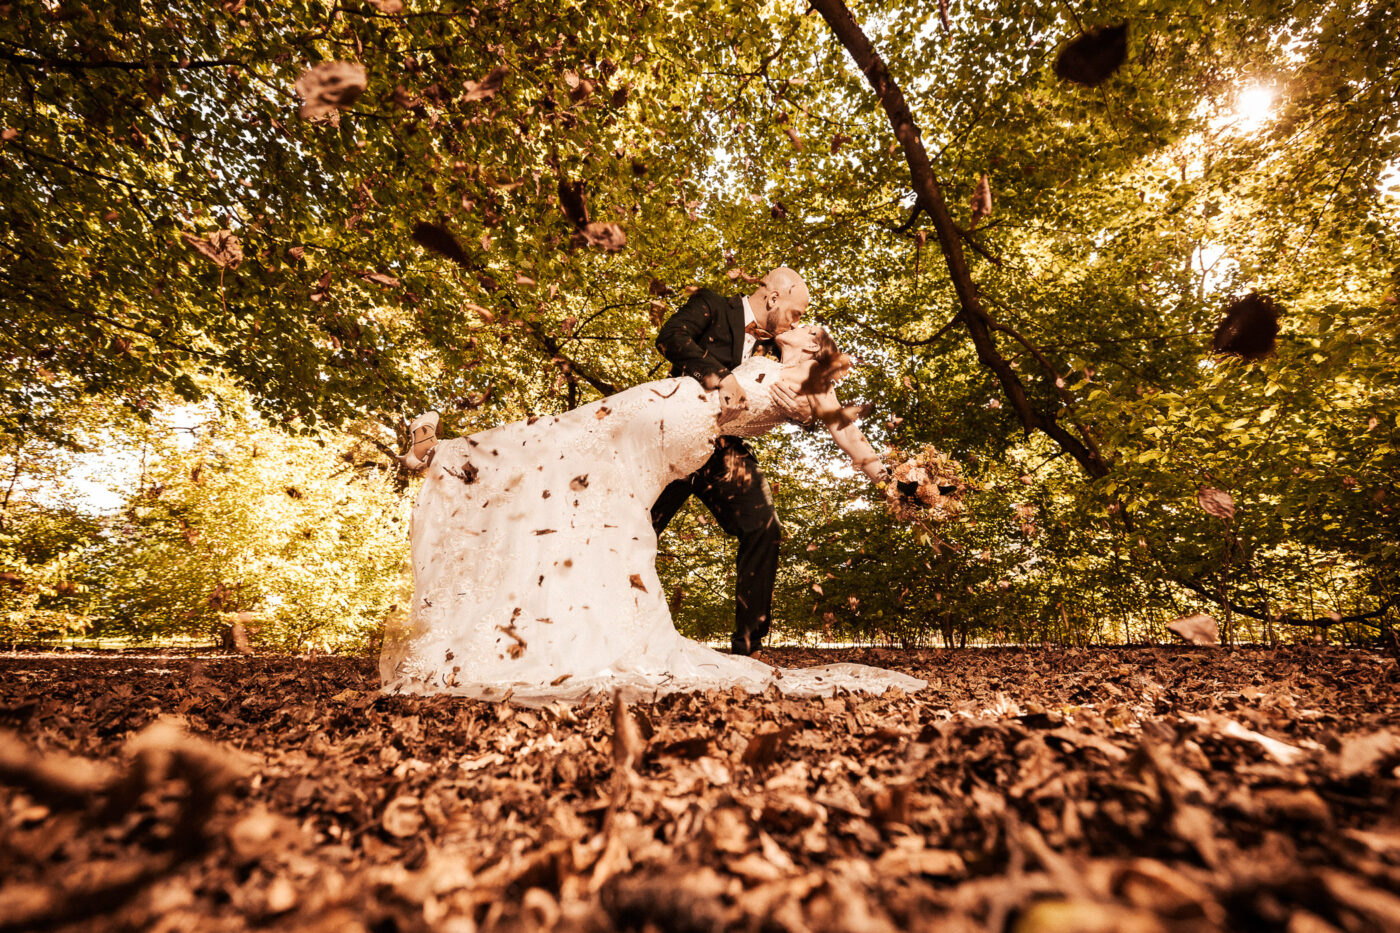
[[533, 544]]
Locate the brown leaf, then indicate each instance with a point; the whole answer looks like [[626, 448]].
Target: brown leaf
[[903, 861], [487, 87], [981, 201], [792, 135], [379, 278], [221, 247], [762, 749], [574, 202], [480, 312], [1249, 327], [1366, 754], [1216, 502], [402, 817], [608, 236], [636, 581], [1198, 629], [440, 240], [627, 741], [322, 290], [579, 483], [1091, 58], [330, 87], [390, 7]]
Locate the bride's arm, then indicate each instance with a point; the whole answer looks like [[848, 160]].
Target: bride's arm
[[847, 435]]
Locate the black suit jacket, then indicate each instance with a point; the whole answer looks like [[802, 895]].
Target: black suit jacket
[[705, 337]]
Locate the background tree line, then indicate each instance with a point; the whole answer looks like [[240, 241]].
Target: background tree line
[[224, 299]]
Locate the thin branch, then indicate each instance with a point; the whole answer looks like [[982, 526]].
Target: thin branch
[[904, 341], [130, 186], [75, 66], [1056, 382], [978, 248], [64, 306]]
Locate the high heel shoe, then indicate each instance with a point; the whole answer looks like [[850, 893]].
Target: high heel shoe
[[422, 440]]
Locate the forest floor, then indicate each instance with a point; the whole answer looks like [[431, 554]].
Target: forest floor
[[1036, 790]]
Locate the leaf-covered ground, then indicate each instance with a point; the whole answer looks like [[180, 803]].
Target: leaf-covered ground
[[1030, 790]]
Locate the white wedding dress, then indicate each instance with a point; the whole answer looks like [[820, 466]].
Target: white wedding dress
[[534, 558]]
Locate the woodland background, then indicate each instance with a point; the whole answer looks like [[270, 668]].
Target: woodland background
[[217, 308]]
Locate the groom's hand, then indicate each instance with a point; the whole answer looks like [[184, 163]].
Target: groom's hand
[[733, 401]]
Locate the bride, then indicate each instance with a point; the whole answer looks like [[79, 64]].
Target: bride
[[534, 557]]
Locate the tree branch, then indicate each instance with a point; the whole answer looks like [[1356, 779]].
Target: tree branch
[[76, 66], [927, 190], [1056, 381], [129, 186], [904, 341], [552, 347], [1262, 615]]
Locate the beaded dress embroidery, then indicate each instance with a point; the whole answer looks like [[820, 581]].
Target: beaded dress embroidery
[[534, 557]]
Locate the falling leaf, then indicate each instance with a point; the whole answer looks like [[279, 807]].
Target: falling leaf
[[487, 87], [322, 290], [330, 87], [792, 135], [943, 16], [1216, 502], [390, 7], [837, 141], [440, 240], [221, 247], [1091, 58], [1249, 328], [579, 483], [480, 312], [636, 581], [379, 278], [981, 200], [602, 412], [1198, 629], [574, 202], [608, 236]]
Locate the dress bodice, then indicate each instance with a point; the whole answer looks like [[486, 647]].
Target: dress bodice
[[756, 376]]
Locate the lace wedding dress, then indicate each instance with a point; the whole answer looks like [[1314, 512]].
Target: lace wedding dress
[[534, 558]]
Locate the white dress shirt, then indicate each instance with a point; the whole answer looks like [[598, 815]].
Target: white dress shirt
[[749, 339]]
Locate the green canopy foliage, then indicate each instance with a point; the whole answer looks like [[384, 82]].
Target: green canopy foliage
[[170, 222]]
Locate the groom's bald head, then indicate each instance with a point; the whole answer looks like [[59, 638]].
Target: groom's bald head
[[780, 301]]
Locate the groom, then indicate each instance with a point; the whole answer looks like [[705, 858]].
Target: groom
[[705, 339]]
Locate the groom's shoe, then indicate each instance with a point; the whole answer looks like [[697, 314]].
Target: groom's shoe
[[744, 643]]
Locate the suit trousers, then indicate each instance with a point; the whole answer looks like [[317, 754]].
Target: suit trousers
[[736, 492]]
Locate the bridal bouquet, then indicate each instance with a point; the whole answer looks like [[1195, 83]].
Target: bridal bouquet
[[925, 485]]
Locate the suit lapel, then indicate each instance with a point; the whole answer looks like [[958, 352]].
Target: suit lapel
[[736, 324]]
